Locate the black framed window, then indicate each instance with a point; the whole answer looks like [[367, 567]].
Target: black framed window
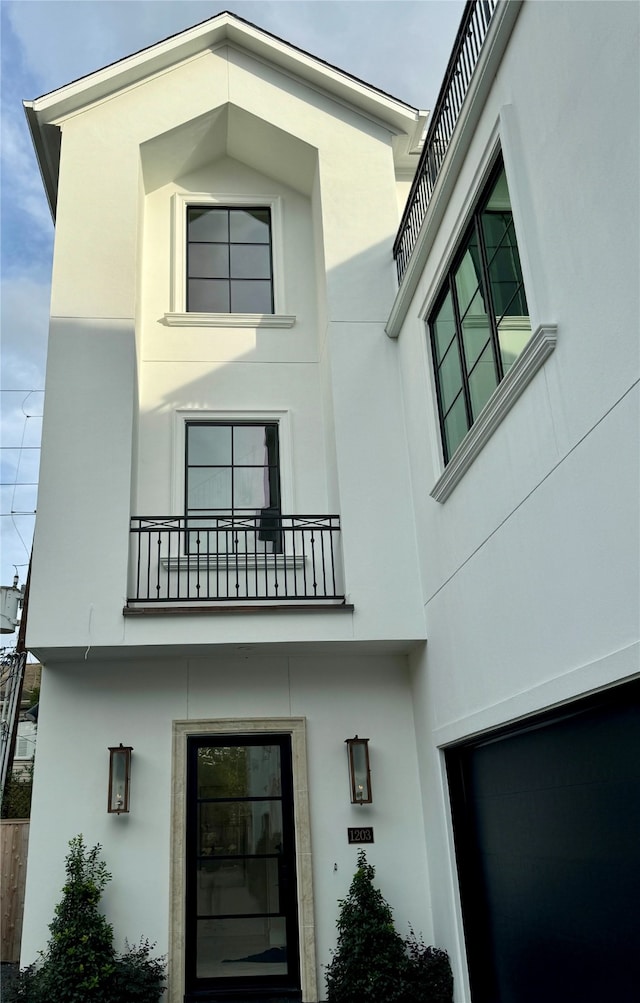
[[480, 322], [232, 472], [229, 260]]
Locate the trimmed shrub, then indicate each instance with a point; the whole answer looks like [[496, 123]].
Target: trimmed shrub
[[369, 962], [79, 964]]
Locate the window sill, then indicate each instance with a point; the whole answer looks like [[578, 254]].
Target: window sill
[[229, 320], [536, 351], [220, 562]]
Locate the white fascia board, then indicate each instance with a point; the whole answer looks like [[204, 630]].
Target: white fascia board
[[53, 108], [210, 34]]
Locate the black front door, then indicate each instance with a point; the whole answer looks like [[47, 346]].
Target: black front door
[[241, 906]]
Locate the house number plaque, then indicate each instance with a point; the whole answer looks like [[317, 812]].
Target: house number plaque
[[362, 834]]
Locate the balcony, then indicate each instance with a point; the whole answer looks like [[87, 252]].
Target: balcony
[[464, 57], [249, 562]]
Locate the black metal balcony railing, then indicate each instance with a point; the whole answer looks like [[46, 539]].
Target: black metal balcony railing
[[231, 559], [466, 50]]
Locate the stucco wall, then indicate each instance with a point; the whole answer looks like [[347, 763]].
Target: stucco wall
[[135, 703], [529, 568]]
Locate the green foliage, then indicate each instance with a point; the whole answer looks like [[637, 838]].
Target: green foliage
[[138, 977], [80, 964], [428, 978], [16, 798], [369, 962], [372, 963]]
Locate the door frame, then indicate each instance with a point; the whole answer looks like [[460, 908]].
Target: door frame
[[182, 730]]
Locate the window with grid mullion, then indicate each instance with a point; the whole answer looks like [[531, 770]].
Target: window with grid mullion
[[482, 307], [229, 260]]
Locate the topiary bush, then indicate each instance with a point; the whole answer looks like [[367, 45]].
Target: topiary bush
[[372, 963], [369, 962], [80, 964]]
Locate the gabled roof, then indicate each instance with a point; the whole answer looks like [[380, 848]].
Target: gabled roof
[[46, 113]]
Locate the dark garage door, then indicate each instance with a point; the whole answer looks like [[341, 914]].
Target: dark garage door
[[547, 830]]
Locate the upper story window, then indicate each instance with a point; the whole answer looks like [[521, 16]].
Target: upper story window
[[229, 260], [480, 322], [232, 485]]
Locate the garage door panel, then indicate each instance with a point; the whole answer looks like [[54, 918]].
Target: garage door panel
[[547, 831]]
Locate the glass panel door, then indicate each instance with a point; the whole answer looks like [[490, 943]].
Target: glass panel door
[[241, 887]]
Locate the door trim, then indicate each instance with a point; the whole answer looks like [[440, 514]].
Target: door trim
[[296, 728]]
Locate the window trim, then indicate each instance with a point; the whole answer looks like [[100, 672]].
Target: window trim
[[183, 416], [177, 315], [539, 347]]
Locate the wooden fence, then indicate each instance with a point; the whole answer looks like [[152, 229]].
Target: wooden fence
[[14, 841]]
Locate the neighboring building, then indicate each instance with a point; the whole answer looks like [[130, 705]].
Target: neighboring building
[[286, 501], [27, 716]]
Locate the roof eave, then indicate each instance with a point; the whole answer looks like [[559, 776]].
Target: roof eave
[[47, 155], [81, 93]]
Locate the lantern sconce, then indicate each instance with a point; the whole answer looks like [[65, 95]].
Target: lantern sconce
[[119, 779], [359, 770]]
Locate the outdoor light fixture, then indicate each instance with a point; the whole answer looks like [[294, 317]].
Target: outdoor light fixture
[[359, 770], [119, 778]]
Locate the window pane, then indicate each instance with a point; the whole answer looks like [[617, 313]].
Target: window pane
[[506, 279], [249, 226], [467, 275], [249, 446], [455, 426], [513, 334], [251, 297], [251, 487], [208, 224], [444, 328], [243, 886], [209, 444], [208, 487], [254, 946], [450, 376], [239, 771], [475, 330], [208, 261], [250, 261], [499, 200], [208, 296], [482, 381], [238, 828]]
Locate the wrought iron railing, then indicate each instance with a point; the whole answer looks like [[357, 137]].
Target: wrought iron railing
[[466, 50], [230, 559]]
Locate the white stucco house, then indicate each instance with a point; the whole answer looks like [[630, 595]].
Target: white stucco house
[[341, 439]]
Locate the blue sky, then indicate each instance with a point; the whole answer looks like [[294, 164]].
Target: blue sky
[[401, 47]]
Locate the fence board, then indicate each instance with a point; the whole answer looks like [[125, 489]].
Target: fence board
[[14, 841]]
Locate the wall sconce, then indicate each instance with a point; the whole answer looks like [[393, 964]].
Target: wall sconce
[[119, 779], [359, 770]]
